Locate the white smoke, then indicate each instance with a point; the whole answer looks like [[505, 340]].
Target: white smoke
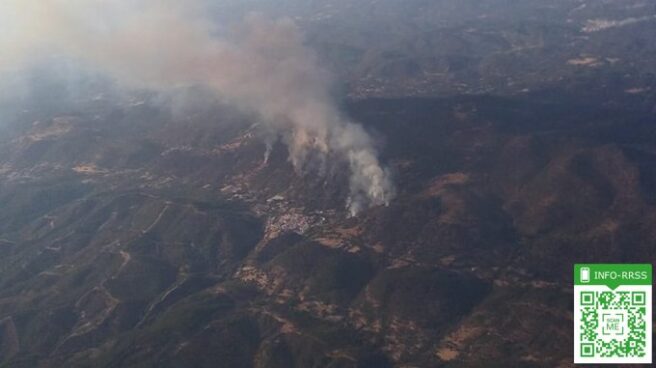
[[263, 66]]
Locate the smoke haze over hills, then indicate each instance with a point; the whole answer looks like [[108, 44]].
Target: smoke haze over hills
[[174, 174], [260, 65]]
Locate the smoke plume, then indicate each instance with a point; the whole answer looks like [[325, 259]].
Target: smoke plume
[[262, 66]]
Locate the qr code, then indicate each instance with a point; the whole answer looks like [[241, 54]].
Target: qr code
[[613, 324], [613, 313]]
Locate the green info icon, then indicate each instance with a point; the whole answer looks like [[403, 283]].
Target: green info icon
[[612, 313]]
